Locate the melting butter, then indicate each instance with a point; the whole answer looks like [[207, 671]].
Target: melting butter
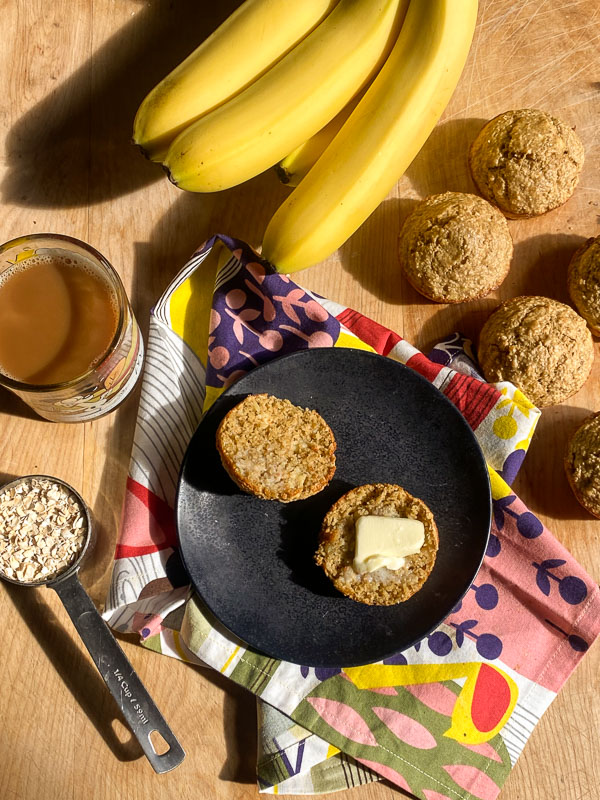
[[386, 541]]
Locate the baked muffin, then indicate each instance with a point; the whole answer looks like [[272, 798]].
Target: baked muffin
[[583, 281], [337, 541], [542, 346], [526, 162], [455, 247], [582, 464], [276, 450]]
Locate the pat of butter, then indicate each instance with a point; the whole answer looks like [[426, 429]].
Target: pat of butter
[[385, 541]]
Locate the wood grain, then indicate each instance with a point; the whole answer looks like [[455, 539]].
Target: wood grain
[[73, 75]]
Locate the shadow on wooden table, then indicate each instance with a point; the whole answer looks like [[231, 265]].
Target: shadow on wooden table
[[440, 166], [540, 264], [370, 255], [15, 407], [57, 152], [542, 480], [239, 728], [77, 673]]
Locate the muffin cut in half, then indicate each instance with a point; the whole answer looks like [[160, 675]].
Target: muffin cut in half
[[337, 545], [276, 450]]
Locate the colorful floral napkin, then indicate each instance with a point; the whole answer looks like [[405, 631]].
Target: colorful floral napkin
[[445, 719]]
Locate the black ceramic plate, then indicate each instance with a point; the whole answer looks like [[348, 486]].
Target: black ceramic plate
[[251, 560]]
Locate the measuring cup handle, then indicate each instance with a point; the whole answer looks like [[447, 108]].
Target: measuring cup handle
[[139, 710]]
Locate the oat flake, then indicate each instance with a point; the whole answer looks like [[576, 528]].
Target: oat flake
[[42, 530]]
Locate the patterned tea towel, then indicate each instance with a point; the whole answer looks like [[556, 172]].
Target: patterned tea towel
[[445, 719]]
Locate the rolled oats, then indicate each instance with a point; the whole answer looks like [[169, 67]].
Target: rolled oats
[[42, 529]]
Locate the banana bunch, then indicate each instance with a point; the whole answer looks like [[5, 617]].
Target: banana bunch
[[342, 109], [294, 99], [380, 138], [271, 76], [245, 46]]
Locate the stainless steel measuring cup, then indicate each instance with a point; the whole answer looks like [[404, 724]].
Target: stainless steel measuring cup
[[138, 708]]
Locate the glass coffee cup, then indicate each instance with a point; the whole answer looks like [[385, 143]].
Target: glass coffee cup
[[70, 346]]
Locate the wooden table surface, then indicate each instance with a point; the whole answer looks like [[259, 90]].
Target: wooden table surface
[[73, 74]]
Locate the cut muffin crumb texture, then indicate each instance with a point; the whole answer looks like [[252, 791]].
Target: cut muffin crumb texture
[[540, 345], [582, 464], [455, 247], [276, 450], [337, 539]]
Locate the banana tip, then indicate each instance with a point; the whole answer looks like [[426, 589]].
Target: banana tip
[[167, 172], [282, 173], [270, 265], [142, 149], [150, 151]]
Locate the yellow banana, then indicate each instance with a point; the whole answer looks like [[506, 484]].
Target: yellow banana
[[289, 103], [295, 166], [247, 43], [380, 139]]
